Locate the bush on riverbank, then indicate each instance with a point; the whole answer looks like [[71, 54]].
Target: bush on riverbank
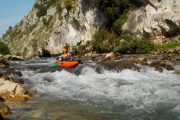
[[169, 45], [104, 41], [111, 37], [4, 48], [107, 39], [131, 44]]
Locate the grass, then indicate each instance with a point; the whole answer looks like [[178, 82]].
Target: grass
[[169, 45]]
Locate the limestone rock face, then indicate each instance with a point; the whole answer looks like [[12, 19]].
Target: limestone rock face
[[53, 30], [158, 18]]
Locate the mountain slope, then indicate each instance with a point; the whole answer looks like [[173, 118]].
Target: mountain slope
[[51, 24]]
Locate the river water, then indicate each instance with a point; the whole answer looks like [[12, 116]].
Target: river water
[[91, 92]]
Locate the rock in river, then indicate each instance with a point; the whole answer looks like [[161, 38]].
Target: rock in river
[[4, 111], [11, 90]]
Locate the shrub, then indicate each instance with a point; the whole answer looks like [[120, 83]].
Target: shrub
[[4, 48], [59, 8], [50, 3], [127, 45], [117, 27], [132, 44], [37, 5], [81, 49], [43, 6], [112, 9], [104, 41], [41, 11], [144, 46]]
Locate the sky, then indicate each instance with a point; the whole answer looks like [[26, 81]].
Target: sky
[[12, 11]]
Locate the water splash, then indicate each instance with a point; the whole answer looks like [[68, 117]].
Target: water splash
[[126, 87]]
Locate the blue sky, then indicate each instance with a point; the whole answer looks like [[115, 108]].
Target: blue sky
[[12, 11]]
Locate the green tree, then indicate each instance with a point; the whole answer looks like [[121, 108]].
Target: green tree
[[4, 48], [117, 26], [113, 9]]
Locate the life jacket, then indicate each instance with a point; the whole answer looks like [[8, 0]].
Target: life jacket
[[66, 56]]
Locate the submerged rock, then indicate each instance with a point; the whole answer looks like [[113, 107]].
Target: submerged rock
[[159, 62], [119, 65], [4, 111]]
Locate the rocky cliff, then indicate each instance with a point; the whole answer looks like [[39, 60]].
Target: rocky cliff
[[51, 24], [159, 18]]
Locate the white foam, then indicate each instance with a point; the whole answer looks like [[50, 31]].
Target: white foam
[[127, 87]]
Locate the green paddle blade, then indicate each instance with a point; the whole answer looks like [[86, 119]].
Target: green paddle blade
[[55, 64]]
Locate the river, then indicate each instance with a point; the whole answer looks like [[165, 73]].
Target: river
[[91, 92]]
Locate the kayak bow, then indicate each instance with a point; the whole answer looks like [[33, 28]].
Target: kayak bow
[[65, 63]]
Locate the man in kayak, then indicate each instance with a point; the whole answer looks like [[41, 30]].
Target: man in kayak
[[65, 56]]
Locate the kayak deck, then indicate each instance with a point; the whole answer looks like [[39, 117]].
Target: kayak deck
[[67, 63]]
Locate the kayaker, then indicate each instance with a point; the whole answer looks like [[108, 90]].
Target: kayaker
[[65, 56], [73, 51]]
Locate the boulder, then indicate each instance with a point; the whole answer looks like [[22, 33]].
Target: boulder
[[160, 19], [12, 73], [110, 56], [17, 58], [14, 58], [162, 64], [141, 59], [119, 65], [11, 90]]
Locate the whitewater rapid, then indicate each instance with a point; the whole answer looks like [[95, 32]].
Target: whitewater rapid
[[137, 88], [127, 94]]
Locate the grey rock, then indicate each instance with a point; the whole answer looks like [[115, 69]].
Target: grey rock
[[160, 19]]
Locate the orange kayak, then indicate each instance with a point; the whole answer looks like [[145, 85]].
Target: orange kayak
[[67, 63]]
